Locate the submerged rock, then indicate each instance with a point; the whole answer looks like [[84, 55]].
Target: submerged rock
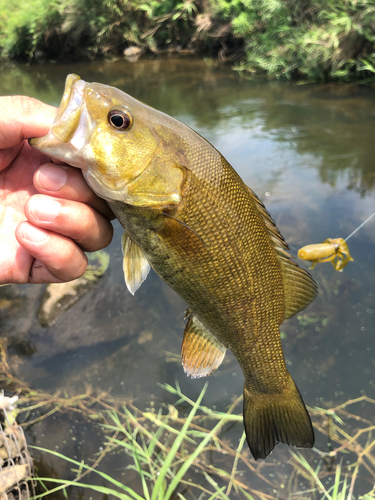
[[132, 54], [58, 297]]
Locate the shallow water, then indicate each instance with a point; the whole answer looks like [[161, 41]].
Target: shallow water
[[308, 152]]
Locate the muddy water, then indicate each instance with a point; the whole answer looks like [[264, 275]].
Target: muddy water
[[308, 152]]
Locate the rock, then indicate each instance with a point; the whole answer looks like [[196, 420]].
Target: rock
[[132, 54], [59, 297]]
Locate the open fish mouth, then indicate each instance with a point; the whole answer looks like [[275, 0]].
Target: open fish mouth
[[70, 111], [71, 128], [70, 138], [69, 84]]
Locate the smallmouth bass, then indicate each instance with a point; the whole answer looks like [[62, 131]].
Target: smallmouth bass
[[188, 215]]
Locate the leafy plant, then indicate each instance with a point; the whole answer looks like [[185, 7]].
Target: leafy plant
[[310, 39], [307, 39], [26, 25]]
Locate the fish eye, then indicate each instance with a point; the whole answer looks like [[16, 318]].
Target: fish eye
[[120, 119]]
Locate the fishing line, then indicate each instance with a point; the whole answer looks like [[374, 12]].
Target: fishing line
[[359, 227]]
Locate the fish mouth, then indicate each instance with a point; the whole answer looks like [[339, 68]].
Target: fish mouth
[[71, 128], [69, 84], [69, 140]]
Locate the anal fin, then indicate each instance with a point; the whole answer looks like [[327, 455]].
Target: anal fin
[[201, 352], [135, 264]]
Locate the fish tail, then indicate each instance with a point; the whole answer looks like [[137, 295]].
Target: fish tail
[[276, 418]]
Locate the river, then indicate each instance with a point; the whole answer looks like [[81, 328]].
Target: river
[[308, 152]]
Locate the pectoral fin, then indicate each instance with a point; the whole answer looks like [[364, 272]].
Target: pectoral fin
[[185, 240], [135, 264], [201, 352]]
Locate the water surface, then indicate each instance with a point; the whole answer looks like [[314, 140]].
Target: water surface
[[308, 152]]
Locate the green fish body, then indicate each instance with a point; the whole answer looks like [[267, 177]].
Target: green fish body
[[188, 215]]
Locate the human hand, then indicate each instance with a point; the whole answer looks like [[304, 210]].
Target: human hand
[[48, 214]]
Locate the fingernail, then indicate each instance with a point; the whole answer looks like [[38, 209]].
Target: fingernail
[[52, 178], [33, 234], [43, 208]]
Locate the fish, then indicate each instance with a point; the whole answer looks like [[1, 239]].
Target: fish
[[334, 250], [187, 214]]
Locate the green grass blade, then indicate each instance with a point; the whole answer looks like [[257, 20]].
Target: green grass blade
[[337, 482], [246, 494], [217, 494], [175, 447], [153, 418], [191, 458], [314, 474], [235, 464], [99, 489], [155, 438], [130, 447], [139, 467], [210, 413], [87, 467]]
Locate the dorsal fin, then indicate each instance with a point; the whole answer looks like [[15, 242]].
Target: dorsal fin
[[299, 287]]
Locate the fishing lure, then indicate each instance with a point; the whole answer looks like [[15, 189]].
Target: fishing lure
[[331, 250]]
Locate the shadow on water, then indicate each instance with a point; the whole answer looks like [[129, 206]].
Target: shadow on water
[[308, 152]]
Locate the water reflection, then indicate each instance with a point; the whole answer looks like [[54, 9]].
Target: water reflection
[[332, 123], [308, 152]]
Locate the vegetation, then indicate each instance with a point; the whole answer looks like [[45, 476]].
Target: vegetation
[[317, 40], [181, 451], [307, 39]]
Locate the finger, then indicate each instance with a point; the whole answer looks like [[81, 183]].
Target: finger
[[68, 182], [23, 117], [89, 229], [8, 155], [57, 258]]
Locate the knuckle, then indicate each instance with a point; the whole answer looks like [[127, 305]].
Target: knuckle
[[28, 105], [72, 262], [97, 233]]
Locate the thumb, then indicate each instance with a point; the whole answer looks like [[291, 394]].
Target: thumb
[[23, 117]]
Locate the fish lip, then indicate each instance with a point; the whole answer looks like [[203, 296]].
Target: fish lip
[[70, 87], [51, 140], [67, 122], [71, 79], [71, 127]]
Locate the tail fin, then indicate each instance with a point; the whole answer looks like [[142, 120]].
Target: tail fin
[[276, 418]]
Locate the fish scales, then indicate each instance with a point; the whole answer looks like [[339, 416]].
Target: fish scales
[[188, 215]]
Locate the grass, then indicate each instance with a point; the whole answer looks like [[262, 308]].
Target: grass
[[341, 489], [161, 469], [183, 451]]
